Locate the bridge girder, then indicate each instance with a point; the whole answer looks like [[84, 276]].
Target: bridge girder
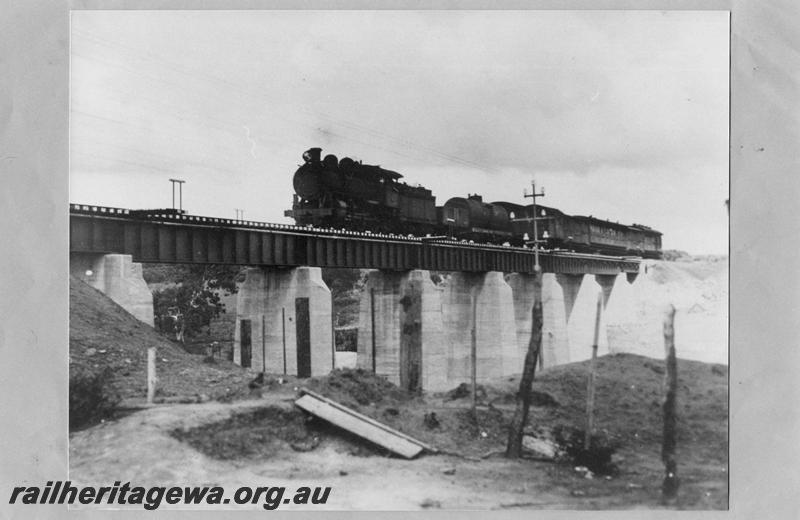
[[190, 239]]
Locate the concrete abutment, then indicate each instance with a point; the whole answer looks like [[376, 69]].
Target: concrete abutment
[[119, 278]]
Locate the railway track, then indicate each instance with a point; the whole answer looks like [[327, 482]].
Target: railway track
[[167, 216]]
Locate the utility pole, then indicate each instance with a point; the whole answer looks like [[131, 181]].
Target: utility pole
[[180, 183], [533, 195], [535, 242], [516, 429]]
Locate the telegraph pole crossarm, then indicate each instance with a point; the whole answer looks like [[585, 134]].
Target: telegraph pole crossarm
[[180, 183], [533, 195]]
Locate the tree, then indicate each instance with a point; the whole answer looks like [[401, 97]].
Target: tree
[[196, 291], [341, 281]]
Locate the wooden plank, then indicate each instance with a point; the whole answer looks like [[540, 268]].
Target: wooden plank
[[354, 425], [360, 425], [368, 419]]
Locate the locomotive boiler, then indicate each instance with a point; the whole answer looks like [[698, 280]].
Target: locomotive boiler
[[349, 194]]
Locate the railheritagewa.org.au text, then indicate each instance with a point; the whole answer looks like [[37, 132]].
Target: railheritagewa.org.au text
[[269, 497]]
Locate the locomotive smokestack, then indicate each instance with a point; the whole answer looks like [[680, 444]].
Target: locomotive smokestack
[[312, 155]]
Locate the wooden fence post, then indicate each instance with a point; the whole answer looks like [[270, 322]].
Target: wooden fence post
[[283, 332], [473, 355], [669, 488], [587, 440], [151, 374], [263, 344], [372, 325], [333, 338]]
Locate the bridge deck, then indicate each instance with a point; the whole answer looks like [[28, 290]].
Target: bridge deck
[[180, 238]]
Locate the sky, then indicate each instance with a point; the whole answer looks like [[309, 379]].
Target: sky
[[622, 115]]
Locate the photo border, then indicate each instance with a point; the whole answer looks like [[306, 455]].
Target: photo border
[[34, 117]]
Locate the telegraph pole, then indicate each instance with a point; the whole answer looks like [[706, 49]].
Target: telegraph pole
[[515, 432], [179, 182], [533, 195]]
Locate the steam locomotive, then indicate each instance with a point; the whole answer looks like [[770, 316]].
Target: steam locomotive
[[334, 193]]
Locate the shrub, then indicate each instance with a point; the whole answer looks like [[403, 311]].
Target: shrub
[[674, 255], [598, 458], [91, 396], [346, 340]]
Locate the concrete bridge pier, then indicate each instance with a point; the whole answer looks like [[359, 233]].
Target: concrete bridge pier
[[406, 309], [119, 278], [295, 308], [621, 315], [497, 352], [570, 288], [555, 345], [580, 302], [608, 284]]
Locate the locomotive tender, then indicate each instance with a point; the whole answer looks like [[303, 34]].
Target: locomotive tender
[[333, 193]]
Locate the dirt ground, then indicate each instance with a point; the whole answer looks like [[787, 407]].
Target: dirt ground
[[249, 436], [359, 482], [264, 442], [102, 335]]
